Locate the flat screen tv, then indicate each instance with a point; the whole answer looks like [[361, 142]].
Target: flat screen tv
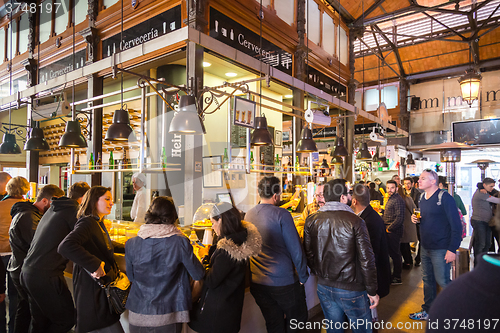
[[477, 132]]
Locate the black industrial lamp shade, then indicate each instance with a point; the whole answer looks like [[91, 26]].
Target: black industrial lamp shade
[[120, 129], [306, 143], [384, 163], [37, 141], [340, 149], [73, 137], [410, 160], [260, 135], [363, 153], [324, 165], [9, 145], [337, 160], [186, 120]]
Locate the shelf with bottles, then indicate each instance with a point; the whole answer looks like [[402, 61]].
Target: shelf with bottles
[[132, 167]]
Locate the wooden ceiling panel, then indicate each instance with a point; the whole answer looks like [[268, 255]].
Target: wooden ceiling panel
[[355, 7], [439, 61], [489, 52], [490, 38], [430, 49], [375, 13]]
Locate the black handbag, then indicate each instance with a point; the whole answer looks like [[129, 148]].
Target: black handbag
[[117, 292]]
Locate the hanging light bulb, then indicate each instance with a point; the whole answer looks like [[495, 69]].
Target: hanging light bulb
[[9, 145], [306, 143], [260, 135], [364, 153], [73, 138], [340, 149], [187, 119], [469, 86], [37, 141]]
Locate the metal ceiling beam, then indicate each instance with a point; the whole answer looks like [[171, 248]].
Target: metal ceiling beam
[[444, 25], [343, 12], [473, 41], [404, 12], [367, 12], [455, 71], [394, 49]]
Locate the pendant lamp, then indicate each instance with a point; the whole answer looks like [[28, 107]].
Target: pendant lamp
[[260, 135], [384, 163], [187, 120], [120, 129], [337, 160], [306, 143], [363, 153], [37, 141], [73, 137], [340, 149], [9, 145]]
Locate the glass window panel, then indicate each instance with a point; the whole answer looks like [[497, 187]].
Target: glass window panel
[[109, 3], [23, 33], [61, 17], [11, 39], [313, 16], [284, 9], [81, 8], [265, 3], [328, 34], [371, 100], [358, 99], [45, 24], [389, 96], [342, 45], [2, 45]]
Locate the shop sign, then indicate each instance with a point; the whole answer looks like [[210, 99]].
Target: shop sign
[[325, 83], [367, 128], [235, 35], [62, 66], [148, 30], [327, 131]]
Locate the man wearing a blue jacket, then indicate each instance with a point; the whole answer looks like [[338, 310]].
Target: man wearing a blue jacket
[[440, 233], [280, 269]]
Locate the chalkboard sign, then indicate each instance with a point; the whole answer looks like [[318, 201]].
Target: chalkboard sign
[[268, 151]]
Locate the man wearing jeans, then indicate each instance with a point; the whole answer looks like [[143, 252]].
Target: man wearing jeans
[[481, 216], [339, 253], [280, 269], [440, 233]]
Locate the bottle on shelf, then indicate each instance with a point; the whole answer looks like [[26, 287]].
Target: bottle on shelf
[[77, 162], [262, 161], [225, 160], [125, 162], [297, 164], [163, 158], [111, 161], [251, 160], [91, 161], [277, 163], [98, 163]]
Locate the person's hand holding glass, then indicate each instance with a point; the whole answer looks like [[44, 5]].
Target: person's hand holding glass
[[415, 218]]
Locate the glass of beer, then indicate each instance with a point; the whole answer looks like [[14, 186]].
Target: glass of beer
[[416, 211]]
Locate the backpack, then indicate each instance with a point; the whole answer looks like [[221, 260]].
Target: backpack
[[460, 215]]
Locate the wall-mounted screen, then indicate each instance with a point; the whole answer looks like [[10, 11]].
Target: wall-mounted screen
[[477, 132]]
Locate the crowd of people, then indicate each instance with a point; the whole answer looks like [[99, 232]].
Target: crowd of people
[[339, 238]]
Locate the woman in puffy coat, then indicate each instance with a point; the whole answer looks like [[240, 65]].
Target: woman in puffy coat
[[91, 250], [159, 262], [221, 303]]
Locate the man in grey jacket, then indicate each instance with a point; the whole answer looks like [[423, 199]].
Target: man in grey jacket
[[339, 253], [481, 215]]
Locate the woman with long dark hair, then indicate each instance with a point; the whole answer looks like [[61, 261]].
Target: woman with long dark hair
[[159, 262], [89, 247], [221, 303]]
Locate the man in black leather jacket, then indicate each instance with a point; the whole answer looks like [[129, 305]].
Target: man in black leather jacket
[[339, 253]]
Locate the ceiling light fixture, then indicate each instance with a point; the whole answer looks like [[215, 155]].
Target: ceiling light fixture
[[306, 143], [206, 64], [231, 74], [260, 135], [187, 120], [37, 141]]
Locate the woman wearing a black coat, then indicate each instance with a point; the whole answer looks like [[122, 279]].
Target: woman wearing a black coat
[[221, 303], [91, 250]]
